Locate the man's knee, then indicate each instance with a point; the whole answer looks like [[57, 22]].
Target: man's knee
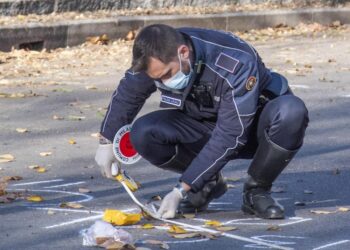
[[293, 113]]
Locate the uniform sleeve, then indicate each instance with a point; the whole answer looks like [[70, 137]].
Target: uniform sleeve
[[126, 102], [235, 116]]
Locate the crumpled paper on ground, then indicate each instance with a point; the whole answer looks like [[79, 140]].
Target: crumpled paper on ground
[[101, 232]]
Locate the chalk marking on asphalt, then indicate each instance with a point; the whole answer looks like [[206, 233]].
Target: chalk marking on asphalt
[[75, 221], [67, 184], [294, 222], [346, 95], [324, 201], [220, 203], [299, 86], [186, 241], [261, 238], [87, 197], [36, 182], [331, 244], [69, 210]]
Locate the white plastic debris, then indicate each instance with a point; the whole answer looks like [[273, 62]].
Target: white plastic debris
[[101, 229]]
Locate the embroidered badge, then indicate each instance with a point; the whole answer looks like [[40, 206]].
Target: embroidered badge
[[250, 83], [226, 62], [171, 100]]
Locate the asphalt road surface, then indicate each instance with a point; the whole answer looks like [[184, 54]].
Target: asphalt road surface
[[317, 179]]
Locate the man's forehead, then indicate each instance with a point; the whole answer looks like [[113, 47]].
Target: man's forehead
[[156, 68]]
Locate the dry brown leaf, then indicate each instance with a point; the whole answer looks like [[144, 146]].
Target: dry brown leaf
[[35, 198], [45, 153], [273, 228], [186, 235], [6, 158], [71, 205], [84, 190], [21, 130], [322, 212], [189, 216], [50, 212], [176, 230], [12, 178], [226, 229], [159, 243], [91, 87], [213, 223]]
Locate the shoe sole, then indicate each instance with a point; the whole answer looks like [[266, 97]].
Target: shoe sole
[[250, 211]]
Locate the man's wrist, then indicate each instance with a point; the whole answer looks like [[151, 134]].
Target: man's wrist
[[181, 189], [104, 140]]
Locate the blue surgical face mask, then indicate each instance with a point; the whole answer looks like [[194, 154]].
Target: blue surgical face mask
[[179, 80]]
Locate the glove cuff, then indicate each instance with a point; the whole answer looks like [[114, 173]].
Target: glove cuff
[[181, 191]]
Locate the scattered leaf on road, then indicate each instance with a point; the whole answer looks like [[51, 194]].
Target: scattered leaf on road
[[159, 243], [45, 153], [226, 229], [6, 158], [117, 217], [21, 130], [91, 87], [147, 226], [189, 216], [76, 118], [213, 223], [12, 178], [56, 117], [176, 230], [35, 198], [273, 228], [72, 141], [308, 192], [186, 235], [343, 209], [322, 212], [84, 190], [71, 205]]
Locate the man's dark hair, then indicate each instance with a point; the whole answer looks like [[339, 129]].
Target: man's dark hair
[[159, 41]]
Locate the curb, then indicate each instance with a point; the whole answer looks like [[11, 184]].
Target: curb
[[71, 33]]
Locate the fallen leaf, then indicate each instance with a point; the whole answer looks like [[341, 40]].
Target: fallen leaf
[[12, 178], [209, 235], [40, 169], [117, 217], [50, 212], [189, 216], [45, 153], [186, 235], [162, 244], [230, 186], [72, 141], [213, 223], [35, 198], [76, 118], [21, 130], [147, 226], [84, 190], [56, 117], [176, 230], [91, 87], [6, 158], [308, 192], [322, 212], [273, 228], [71, 205], [226, 229], [343, 209]]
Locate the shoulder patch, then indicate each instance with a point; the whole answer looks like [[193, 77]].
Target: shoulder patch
[[227, 62], [171, 100], [250, 83]]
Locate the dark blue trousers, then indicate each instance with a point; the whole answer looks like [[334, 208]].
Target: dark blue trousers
[[156, 134]]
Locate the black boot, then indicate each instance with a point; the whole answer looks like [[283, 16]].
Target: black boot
[[269, 161], [198, 202]]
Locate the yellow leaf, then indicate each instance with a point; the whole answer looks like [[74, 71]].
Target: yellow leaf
[[176, 230], [21, 130], [147, 226], [6, 158], [186, 235], [56, 117], [71, 205], [40, 169], [72, 141], [213, 223], [189, 216], [45, 153], [35, 198], [343, 209], [273, 228], [117, 217]]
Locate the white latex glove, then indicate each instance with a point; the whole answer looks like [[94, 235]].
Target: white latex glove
[[104, 158], [169, 204]]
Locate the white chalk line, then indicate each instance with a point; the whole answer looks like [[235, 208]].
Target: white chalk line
[[298, 86], [294, 222], [263, 238], [331, 244], [67, 184], [36, 182], [75, 221]]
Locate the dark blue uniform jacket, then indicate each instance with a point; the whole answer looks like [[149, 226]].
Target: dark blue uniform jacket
[[228, 79]]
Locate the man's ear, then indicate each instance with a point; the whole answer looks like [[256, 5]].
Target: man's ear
[[184, 51]]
